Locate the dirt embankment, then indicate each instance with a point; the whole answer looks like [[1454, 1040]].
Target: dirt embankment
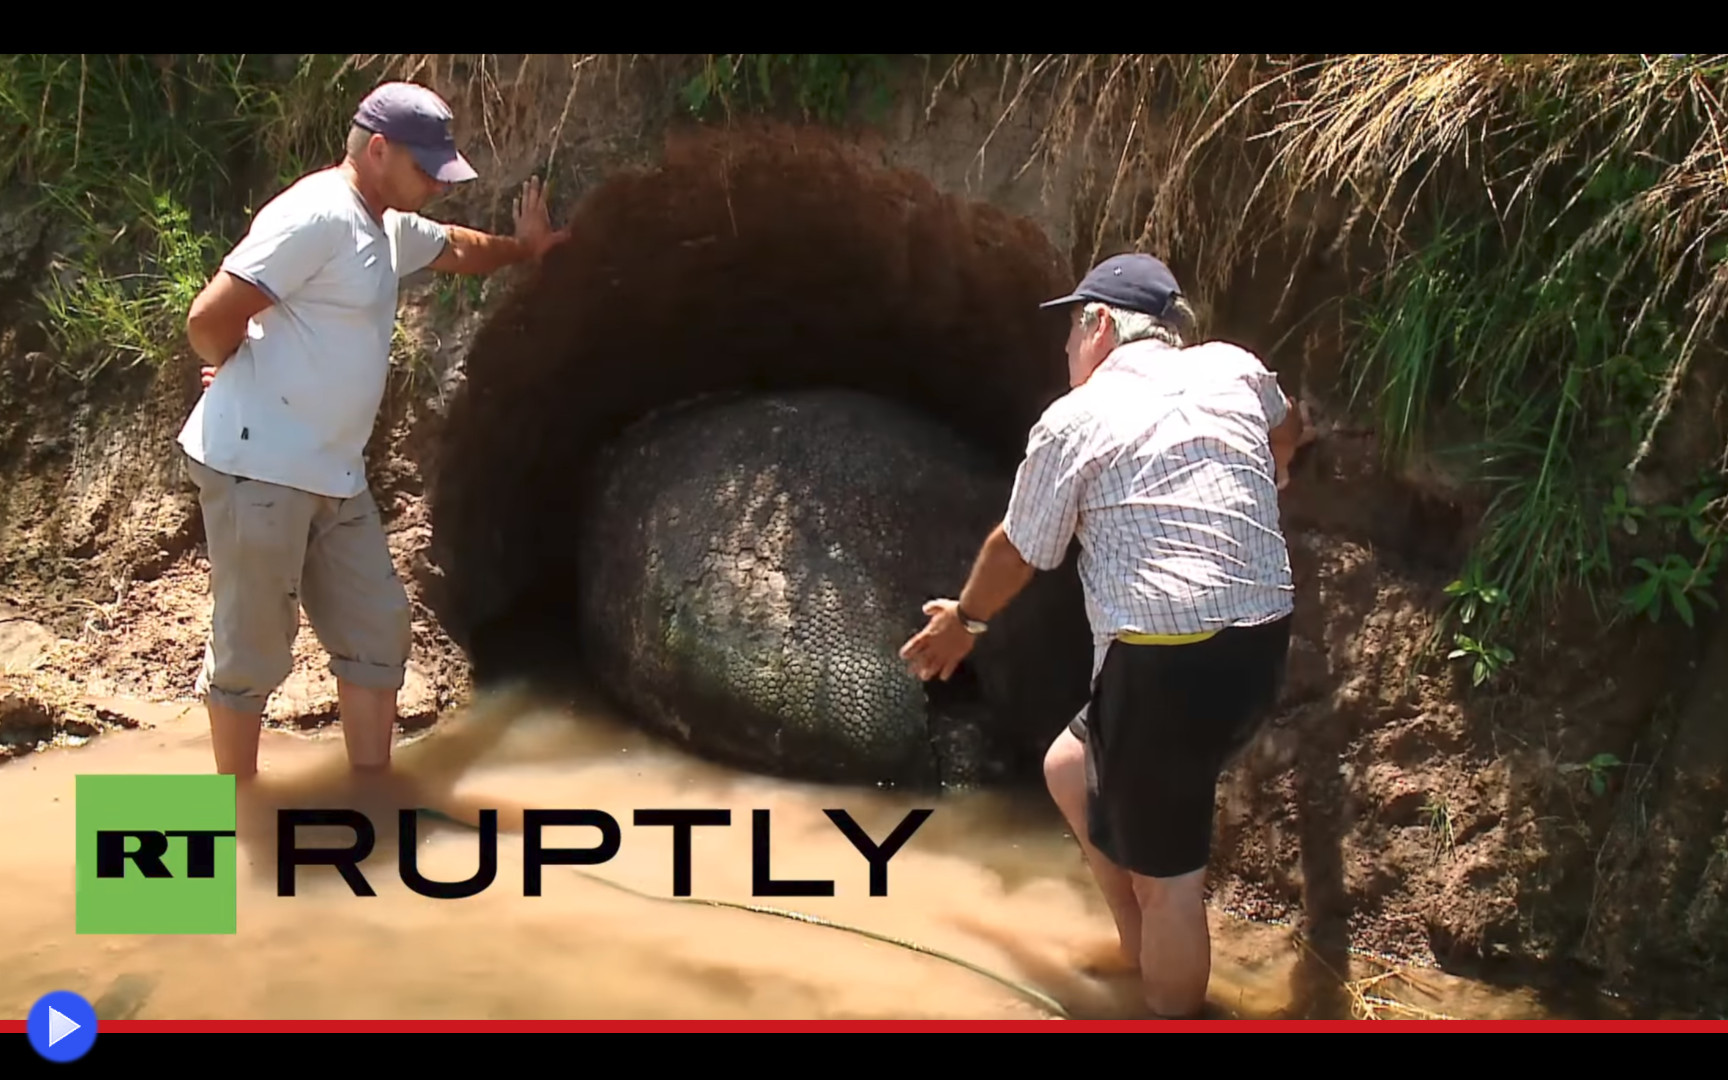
[[1390, 806]]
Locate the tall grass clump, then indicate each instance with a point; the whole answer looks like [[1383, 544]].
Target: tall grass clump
[[147, 161], [1544, 316]]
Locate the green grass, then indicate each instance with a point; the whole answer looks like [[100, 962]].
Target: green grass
[[150, 168], [823, 86], [1544, 344], [1544, 365]]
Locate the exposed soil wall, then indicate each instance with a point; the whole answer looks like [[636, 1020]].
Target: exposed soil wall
[[1390, 805]]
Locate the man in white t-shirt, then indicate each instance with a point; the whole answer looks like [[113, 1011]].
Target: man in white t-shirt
[[295, 329]]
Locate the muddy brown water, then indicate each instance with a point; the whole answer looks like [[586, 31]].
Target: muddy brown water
[[993, 882]]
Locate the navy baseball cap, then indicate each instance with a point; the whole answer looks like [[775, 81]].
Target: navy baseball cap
[[1131, 282], [419, 120]]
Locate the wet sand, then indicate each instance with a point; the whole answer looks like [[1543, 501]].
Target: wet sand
[[996, 884]]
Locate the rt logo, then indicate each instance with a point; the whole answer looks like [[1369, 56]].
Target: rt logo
[[156, 854]]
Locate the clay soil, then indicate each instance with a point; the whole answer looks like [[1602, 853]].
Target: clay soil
[[1390, 807]]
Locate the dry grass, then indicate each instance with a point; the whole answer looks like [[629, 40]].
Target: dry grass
[[1215, 155], [1368, 1001], [1211, 155], [508, 95], [523, 110]]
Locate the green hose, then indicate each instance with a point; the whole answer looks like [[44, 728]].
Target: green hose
[[1043, 999]]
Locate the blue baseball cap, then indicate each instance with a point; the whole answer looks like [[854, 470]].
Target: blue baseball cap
[[419, 121], [1132, 282]]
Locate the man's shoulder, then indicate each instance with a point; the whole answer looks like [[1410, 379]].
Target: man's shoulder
[[1227, 355], [394, 218], [401, 223], [1071, 412], [317, 197]]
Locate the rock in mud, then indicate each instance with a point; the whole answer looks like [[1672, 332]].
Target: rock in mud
[[22, 642], [24, 724]]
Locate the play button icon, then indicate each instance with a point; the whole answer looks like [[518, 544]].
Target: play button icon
[[59, 1026], [62, 1026]]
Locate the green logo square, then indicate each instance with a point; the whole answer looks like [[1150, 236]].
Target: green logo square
[[156, 854]]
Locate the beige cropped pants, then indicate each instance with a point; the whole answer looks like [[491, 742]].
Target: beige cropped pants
[[274, 550]]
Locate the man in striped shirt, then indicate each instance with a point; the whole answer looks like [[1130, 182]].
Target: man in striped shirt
[[1165, 459]]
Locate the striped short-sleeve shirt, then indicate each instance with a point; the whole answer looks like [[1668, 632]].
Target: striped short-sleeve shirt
[[1161, 464]]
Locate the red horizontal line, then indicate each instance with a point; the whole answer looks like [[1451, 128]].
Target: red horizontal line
[[394, 1027]]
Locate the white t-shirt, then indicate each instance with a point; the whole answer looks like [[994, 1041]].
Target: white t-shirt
[[298, 400]]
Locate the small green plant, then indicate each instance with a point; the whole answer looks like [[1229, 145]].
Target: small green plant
[[1438, 817], [1674, 580], [1487, 659], [1477, 603], [1472, 593], [1694, 515], [458, 295], [1596, 771], [1621, 514], [97, 317]]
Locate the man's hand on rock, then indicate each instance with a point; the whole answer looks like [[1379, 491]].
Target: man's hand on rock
[[936, 650], [533, 223]]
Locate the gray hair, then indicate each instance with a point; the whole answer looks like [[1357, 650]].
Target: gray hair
[[358, 137], [1174, 329]]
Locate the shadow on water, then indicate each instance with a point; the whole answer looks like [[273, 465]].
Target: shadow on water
[[990, 894]]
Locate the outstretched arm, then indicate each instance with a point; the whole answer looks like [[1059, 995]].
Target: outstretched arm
[[998, 575], [471, 251], [1042, 511]]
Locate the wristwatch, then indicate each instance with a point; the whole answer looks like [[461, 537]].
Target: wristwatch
[[973, 626]]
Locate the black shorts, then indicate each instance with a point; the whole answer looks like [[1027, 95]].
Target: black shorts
[[1163, 723]]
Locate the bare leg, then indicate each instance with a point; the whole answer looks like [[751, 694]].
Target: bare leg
[[1176, 946], [234, 739], [368, 725], [1065, 774]]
